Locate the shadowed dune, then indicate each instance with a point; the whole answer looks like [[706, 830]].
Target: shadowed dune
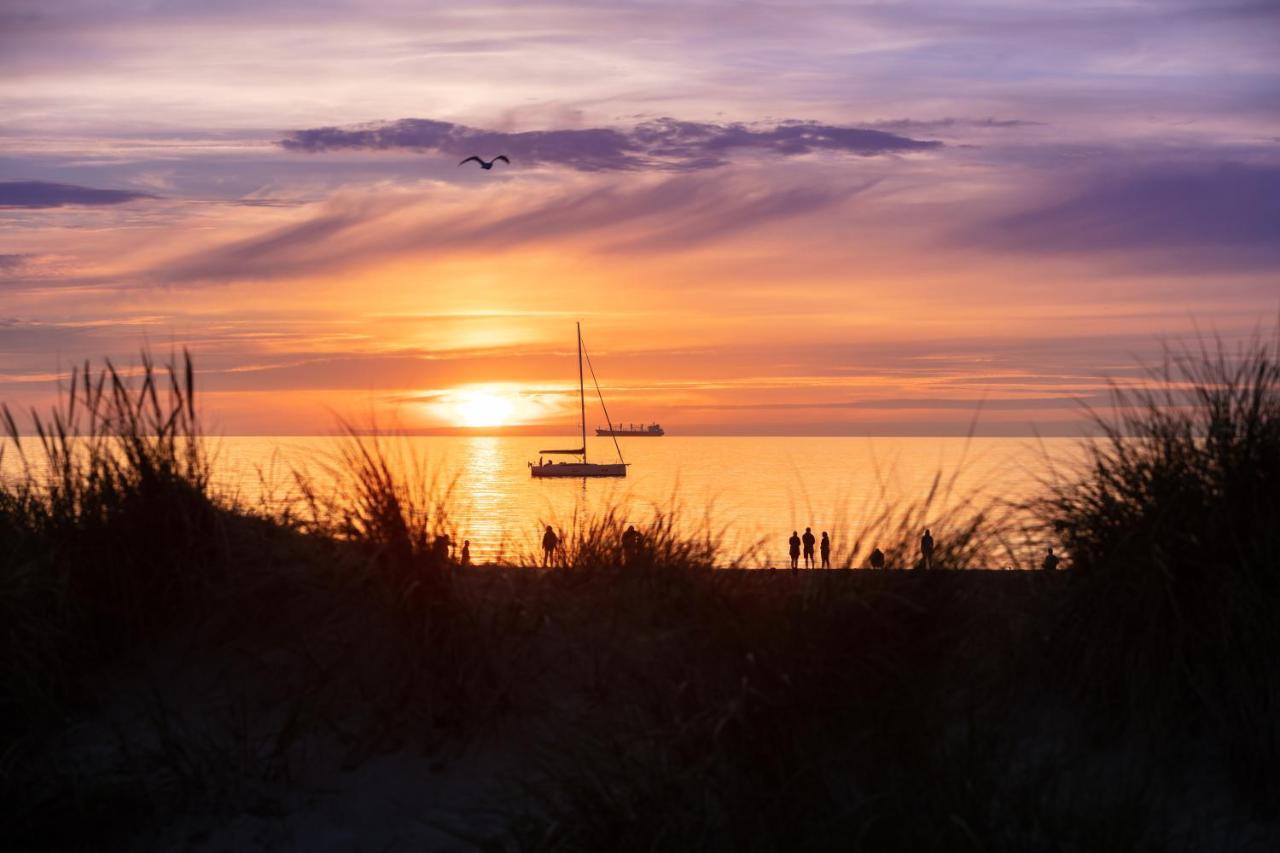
[[184, 671]]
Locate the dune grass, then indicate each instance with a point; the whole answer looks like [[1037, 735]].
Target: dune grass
[[106, 524], [647, 699], [1174, 536]]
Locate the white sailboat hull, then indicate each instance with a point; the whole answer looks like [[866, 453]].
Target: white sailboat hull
[[578, 469]]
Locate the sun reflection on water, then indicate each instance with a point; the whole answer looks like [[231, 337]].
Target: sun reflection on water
[[756, 488]]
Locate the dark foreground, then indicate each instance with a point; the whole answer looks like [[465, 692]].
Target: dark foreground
[[180, 671], [649, 710]]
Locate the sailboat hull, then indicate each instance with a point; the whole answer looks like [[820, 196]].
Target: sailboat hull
[[578, 469]]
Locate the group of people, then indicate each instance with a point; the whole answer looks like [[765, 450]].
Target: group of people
[[807, 542], [632, 545], [799, 546], [442, 547], [803, 546]]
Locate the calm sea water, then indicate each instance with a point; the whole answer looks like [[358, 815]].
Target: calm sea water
[[755, 490]]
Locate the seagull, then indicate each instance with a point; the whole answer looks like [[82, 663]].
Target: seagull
[[489, 165]]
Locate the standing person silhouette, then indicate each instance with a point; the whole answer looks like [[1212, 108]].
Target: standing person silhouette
[[808, 540], [926, 550], [1050, 561], [630, 545], [794, 542], [466, 552], [824, 548], [549, 543]]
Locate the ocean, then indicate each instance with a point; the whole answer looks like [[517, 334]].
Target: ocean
[[752, 491]]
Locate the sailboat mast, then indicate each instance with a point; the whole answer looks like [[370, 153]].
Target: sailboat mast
[[582, 398]]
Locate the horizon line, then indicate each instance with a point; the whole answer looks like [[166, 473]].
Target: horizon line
[[491, 433]]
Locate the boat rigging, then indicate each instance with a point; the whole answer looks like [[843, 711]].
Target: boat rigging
[[582, 468]]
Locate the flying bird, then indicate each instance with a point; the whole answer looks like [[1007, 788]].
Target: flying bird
[[487, 165]]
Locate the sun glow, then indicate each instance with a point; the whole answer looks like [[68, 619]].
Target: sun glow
[[480, 408]]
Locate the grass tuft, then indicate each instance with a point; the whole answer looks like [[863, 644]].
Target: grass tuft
[[1174, 537]]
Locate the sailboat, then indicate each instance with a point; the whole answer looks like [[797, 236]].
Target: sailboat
[[581, 468]]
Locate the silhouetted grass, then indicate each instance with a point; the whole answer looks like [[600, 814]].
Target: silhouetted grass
[[970, 531], [1174, 536], [106, 524], [648, 698]]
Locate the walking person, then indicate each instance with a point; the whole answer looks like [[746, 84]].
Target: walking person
[[808, 540], [794, 542], [549, 543], [926, 550], [824, 548]]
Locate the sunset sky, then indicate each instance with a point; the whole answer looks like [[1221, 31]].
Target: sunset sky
[[770, 217]]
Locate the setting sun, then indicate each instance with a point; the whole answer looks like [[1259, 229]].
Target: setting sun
[[477, 408]]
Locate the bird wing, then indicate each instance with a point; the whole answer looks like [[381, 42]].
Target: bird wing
[[503, 158], [472, 157]]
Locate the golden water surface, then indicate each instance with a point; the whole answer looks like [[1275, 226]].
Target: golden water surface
[[755, 490]]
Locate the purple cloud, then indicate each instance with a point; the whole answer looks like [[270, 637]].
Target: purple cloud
[[1231, 207], [659, 144], [40, 194], [935, 125]]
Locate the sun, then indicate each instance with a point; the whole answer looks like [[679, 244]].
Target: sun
[[476, 408]]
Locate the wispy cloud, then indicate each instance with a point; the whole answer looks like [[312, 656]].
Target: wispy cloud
[[638, 216], [40, 194], [970, 404], [940, 124], [663, 143]]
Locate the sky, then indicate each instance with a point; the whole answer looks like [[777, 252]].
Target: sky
[[770, 218]]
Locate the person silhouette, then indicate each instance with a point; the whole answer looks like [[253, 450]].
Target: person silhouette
[[926, 550], [794, 542], [876, 560], [824, 548], [549, 543], [630, 544], [442, 548], [466, 552], [1050, 561], [808, 540]]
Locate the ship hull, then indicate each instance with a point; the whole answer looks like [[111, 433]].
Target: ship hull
[[578, 469], [622, 433]]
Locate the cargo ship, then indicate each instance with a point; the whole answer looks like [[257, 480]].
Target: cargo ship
[[634, 430]]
